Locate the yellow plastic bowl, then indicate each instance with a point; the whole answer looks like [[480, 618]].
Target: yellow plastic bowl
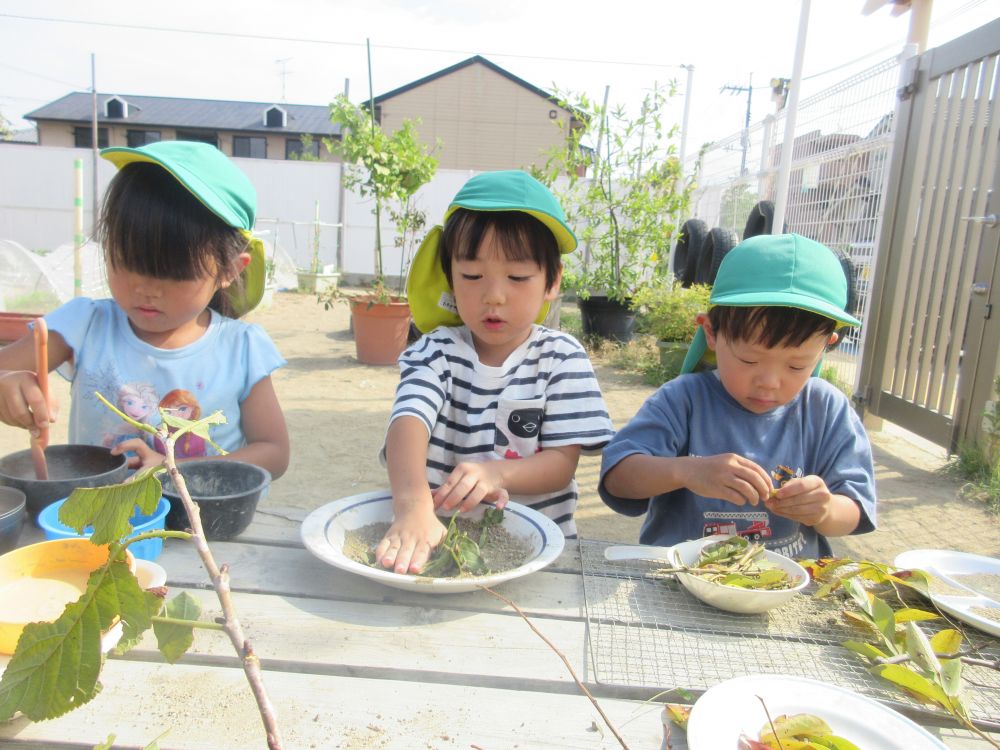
[[38, 581]]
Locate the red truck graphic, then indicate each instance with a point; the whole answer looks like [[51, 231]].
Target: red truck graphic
[[756, 531]]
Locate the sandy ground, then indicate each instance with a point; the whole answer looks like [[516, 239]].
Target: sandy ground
[[336, 410]]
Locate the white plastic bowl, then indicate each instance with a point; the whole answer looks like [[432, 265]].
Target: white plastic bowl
[[732, 598], [323, 535]]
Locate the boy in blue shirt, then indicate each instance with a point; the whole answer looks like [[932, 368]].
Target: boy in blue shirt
[[757, 447]]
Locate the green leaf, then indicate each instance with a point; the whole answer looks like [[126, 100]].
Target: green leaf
[[718, 551], [797, 725], [951, 679], [867, 650], [139, 621], [56, 664], [913, 683], [174, 640], [885, 619], [833, 742], [919, 648], [198, 427], [109, 508], [107, 744], [679, 714], [859, 594]]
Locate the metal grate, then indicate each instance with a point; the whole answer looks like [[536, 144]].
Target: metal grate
[[647, 631]]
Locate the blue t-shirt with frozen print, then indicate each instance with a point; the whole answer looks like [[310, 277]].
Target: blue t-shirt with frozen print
[[214, 373]]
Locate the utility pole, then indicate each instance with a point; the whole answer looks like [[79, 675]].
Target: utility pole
[[745, 140]]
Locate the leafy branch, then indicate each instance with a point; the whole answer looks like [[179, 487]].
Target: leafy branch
[[56, 665], [928, 669]]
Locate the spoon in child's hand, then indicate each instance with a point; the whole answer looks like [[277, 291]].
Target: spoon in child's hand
[[40, 437]]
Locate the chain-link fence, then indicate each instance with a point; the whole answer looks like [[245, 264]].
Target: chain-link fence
[[840, 158]]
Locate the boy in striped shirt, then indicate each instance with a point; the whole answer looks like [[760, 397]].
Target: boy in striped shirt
[[490, 405]]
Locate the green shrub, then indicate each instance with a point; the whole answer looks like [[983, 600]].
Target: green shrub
[[667, 310]]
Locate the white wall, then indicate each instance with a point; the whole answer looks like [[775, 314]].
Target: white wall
[[36, 203]]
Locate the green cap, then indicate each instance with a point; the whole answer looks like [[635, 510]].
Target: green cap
[[432, 302], [778, 270], [221, 187]]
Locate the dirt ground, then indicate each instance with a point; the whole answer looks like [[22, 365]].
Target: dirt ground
[[336, 410]]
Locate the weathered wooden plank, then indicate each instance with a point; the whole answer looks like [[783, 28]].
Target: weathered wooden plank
[[338, 637], [295, 572], [210, 708]]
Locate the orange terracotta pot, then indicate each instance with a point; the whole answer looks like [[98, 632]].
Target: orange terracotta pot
[[380, 329], [14, 325]]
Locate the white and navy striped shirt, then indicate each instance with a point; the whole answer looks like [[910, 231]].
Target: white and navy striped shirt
[[543, 396]]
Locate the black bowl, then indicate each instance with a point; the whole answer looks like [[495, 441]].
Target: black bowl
[[12, 515], [70, 466], [227, 493]]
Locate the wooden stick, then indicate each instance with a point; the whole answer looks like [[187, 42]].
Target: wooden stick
[[561, 655], [220, 581]]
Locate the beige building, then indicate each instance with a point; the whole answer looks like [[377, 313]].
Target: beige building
[[484, 117]]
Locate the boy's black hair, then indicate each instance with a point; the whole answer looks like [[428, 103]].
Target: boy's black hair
[[151, 225], [520, 236], [769, 326]]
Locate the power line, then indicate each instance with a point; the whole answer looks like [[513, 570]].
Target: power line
[[39, 75], [329, 42]]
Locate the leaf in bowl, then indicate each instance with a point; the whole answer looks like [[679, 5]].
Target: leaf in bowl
[[738, 563]]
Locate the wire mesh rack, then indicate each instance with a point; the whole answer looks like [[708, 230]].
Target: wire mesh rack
[[645, 630]]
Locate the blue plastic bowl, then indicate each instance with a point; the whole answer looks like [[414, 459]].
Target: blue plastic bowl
[[147, 549]]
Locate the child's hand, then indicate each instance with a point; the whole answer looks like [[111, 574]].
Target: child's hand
[[408, 543], [729, 477], [144, 455], [22, 403], [806, 499], [468, 485]]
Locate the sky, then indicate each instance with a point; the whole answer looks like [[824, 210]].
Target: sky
[[303, 51]]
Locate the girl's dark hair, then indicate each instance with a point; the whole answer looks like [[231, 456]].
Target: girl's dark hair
[[769, 326], [151, 225], [520, 236]]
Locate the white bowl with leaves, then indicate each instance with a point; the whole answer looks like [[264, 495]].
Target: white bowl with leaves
[[327, 530], [737, 595]]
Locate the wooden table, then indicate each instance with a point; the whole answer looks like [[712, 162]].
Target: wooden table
[[352, 664]]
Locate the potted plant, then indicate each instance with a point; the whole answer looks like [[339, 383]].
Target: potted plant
[[316, 279], [668, 311], [389, 168], [624, 189]]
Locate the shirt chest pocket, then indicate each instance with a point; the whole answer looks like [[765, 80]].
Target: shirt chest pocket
[[518, 425]]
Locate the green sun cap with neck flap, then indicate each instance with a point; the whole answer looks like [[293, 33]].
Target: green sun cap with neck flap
[[778, 270], [432, 302], [221, 187]]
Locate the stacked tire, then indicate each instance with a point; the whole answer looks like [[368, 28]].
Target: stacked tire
[[692, 237], [718, 242]]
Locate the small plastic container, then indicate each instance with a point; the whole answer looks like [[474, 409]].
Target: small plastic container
[[147, 549]]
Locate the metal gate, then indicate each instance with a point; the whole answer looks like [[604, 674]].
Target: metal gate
[[932, 340]]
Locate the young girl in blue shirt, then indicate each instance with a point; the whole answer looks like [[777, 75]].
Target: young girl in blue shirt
[[182, 268]]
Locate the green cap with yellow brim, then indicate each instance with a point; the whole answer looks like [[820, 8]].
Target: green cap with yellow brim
[[222, 188], [777, 270], [432, 302]]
